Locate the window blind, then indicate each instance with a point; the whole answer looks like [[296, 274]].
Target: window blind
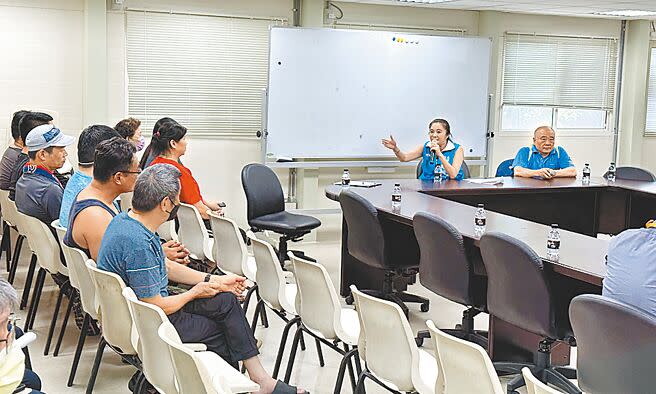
[[557, 71], [650, 128], [206, 72]]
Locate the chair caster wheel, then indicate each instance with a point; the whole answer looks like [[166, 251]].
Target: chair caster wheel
[[419, 341], [424, 307], [349, 300]]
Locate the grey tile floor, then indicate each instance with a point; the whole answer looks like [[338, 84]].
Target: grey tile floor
[[114, 375]]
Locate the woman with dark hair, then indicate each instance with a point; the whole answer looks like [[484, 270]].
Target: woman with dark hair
[[168, 144], [438, 150], [130, 129], [149, 155]]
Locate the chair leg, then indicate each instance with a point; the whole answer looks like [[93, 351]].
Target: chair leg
[[247, 299], [14, 259], [302, 337], [346, 360], [263, 317], [55, 315], [281, 347], [5, 243], [96, 365], [359, 388], [36, 294], [38, 299], [258, 307], [516, 383], [292, 354], [28, 282], [74, 296], [319, 352], [78, 350], [350, 366]]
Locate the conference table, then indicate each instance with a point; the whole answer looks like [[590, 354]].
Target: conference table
[[523, 208]]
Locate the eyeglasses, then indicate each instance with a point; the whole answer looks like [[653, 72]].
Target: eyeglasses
[[128, 172]]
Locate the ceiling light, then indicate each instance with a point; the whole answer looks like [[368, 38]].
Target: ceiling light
[[425, 1], [627, 13]]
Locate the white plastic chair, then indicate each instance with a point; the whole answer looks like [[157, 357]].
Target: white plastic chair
[[534, 386], [323, 317], [126, 201], [8, 222], [393, 359], [115, 318], [12, 216], [202, 372], [464, 367], [167, 231], [193, 234]]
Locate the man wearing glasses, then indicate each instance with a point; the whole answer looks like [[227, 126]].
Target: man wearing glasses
[[544, 159], [13, 373]]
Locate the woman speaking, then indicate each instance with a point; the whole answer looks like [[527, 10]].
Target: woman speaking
[[438, 150]]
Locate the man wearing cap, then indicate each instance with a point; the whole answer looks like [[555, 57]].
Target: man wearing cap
[[38, 191]]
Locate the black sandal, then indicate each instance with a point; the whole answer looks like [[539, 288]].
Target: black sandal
[[284, 388]]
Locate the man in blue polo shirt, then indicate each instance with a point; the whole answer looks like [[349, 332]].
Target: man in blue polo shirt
[[544, 159]]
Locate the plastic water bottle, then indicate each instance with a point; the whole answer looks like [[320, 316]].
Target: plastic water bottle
[[396, 196], [438, 174], [553, 243], [346, 177], [586, 174], [611, 172], [479, 220]]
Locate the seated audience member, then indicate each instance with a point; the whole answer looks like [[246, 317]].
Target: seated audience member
[[11, 154], [209, 312], [130, 129], [86, 147], [631, 268], [28, 122], [38, 192], [149, 155], [13, 373], [169, 143], [544, 159]]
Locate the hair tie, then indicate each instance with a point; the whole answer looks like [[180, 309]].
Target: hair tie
[[156, 134]]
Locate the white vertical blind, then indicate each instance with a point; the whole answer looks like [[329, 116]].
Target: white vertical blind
[[206, 72], [651, 96], [558, 71]]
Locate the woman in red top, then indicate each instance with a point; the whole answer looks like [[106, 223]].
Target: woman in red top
[[168, 145]]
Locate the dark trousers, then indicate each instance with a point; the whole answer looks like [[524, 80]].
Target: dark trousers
[[219, 323]]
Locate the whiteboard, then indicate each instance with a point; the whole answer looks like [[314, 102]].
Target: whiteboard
[[336, 93]]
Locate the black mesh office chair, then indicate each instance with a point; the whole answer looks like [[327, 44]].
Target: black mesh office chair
[[465, 169], [368, 243], [519, 293], [446, 270], [266, 208], [633, 174], [616, 346]]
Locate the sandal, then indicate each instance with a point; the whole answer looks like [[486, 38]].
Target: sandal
[[284, 388]]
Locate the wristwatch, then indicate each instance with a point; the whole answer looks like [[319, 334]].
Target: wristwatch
[[207, 278]]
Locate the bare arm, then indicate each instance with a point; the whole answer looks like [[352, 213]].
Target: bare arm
[[525, 172], [171, 304], [202, 208], [402, 156], [182, 274], [569, 172], [453, 169]]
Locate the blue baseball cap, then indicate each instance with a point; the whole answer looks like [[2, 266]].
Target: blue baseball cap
[[45, 136]]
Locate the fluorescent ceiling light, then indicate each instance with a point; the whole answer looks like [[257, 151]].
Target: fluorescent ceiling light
[[425, 1], [627, 13]]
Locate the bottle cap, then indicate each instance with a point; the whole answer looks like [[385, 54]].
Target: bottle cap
[[346, 169], [397, 184], [587, 164], [555, 225], [480, 205]]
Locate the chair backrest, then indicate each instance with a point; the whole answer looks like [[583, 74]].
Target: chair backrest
[[42, 241], [366, 241], [126, 201], [465, 170], [444, 267], [191, 376], [153, 351], [78, 263], [192, 232], [616, 345], [61, 232], [263, 191], [392, 354], [321, 307], [269, 276], [504, 168], [534, 386], [229, 250], [167, 231], [463, 366], [18, 218], [633, 174], [8, 214], [114, 313], [418, 170], [518, 291]]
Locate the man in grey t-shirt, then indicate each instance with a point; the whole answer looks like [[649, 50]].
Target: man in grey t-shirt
[[11, 154]]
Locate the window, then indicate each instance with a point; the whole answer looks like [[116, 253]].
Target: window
[[650, 128], [563, 82], [207, 72]]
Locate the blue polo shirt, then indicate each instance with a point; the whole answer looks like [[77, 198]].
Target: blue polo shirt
[[631, 269], [531, 158]]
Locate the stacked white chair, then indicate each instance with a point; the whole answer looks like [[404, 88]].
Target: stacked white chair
[[193, 234], [323, 317], [11, 213], [392, 357], [8, 223], [535, 386]]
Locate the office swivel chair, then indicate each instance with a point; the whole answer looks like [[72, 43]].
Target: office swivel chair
[[465, 169], [266, 208], [447, 270], [504, 168], [368, 243], [633, 174], [520, 292], [616, 345]]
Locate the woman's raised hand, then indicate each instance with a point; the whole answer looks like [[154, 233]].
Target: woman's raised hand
[[389, 143]]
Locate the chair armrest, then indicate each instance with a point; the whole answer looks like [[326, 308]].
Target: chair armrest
[[196, 347]]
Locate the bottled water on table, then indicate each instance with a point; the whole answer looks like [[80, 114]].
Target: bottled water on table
[[438, 175], [479, 220], [396, 196], [586, 174], [611, 172], [553, 243], [346, 177]]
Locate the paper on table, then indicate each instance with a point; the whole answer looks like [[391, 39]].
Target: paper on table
[[487, 181]]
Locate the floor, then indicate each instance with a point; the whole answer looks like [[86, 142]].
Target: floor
[[114, 375]]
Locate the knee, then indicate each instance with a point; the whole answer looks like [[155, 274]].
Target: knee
[[228, 299]]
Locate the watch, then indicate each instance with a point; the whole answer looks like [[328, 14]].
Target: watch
[[207, 278]]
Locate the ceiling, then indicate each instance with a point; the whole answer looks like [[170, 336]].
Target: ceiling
[[585, 8]]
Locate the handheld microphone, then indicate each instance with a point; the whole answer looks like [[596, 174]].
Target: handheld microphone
[[432, 157]]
